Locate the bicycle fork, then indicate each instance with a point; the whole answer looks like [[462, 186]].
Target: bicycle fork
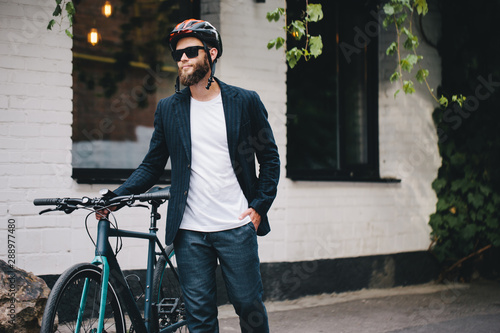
[[104, 294], [98, 260]]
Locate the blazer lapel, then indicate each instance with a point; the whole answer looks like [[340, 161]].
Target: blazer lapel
[[182, 114], [232, 114]]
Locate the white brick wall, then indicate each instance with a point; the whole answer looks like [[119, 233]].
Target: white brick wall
[[309, 220], [35, 141], [314, 220]]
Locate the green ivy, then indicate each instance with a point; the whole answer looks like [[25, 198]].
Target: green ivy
[[467, 216], [399, 13], [298, 29], [59, 14]]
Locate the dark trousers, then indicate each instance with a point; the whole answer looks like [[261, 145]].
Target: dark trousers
[[237, 252]]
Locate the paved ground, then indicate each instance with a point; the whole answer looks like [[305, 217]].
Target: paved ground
[[426, 308]]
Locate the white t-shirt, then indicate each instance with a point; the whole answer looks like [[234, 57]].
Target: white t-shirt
[[215, 199]]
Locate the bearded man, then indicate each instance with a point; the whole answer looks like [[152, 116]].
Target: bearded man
[[213, 133]]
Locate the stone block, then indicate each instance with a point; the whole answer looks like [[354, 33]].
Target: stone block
[[23, 296]]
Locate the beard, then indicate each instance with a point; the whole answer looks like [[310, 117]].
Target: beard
[[200, 69]]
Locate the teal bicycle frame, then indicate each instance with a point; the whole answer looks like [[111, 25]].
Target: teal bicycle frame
[[112, 273]]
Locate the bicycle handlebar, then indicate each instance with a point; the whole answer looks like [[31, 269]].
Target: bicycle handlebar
[[63, 203], [46, 202], [163, 194]]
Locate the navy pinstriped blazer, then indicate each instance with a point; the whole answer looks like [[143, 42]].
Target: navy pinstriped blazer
[[249, 135]]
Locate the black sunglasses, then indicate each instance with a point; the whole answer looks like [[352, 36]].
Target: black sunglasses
[[191, 52]]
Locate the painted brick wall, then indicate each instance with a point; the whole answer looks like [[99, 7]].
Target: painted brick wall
[[314, 220], [309, 220], [35, 140]]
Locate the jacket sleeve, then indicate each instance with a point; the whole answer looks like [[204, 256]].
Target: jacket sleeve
[[267, 155], [153, 165]]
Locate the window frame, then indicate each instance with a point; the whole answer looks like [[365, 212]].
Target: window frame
[[100, 175], [369, 172]]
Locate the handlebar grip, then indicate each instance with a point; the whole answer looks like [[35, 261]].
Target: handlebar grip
[[46, 202], [158, 195]]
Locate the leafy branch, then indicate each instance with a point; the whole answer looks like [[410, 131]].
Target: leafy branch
[[299, 29], [397, 12], [58, 11]]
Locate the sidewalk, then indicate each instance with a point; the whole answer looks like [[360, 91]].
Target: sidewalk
[[425, 308]]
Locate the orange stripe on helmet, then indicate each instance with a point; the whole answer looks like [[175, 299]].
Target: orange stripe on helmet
[[183, 27], [187, 23]]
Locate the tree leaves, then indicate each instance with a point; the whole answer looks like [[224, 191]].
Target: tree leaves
[[443, 101], [438, 184], [475, 199], [400, 14], [395, 11], [70, 9], [466, 217], [422, 7], [394, 77], [411, 41], [409, 61], [314, 12], [408, 87], [51, 24], [293, 56], [392, 49], [316, 45], [389, 9], [58, 11], [422, 74], [277, 42], [275, 15], [298, 30]]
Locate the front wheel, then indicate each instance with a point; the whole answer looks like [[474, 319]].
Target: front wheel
[[167, 295], [67, 299]]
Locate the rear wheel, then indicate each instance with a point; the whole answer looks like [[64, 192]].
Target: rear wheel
[[65, 300], [168, 295]]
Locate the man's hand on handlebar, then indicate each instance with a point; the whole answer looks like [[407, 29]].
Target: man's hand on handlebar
[[104, 213]]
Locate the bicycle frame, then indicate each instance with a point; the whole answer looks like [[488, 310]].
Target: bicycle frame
[[112, 272]]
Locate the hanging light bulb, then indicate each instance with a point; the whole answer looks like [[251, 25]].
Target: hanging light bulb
[[93, 36], [107, 9]]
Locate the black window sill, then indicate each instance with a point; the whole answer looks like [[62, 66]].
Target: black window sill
[[109, 176], [339, 176]]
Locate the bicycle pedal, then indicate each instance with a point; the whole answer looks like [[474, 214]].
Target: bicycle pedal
[[168, 305]]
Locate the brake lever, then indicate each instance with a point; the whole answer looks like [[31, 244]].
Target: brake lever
[[48, 211], [69, 209], [139, 205]]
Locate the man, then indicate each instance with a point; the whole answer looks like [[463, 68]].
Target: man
[[212, 133]]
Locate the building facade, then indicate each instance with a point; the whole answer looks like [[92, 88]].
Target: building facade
[[324, 232]]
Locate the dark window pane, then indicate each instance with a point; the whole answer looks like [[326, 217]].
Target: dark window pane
[[118, 82], [332, 100], [353, 75]]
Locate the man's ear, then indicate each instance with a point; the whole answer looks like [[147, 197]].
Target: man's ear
[[213, 53]]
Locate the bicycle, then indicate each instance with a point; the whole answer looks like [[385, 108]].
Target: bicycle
[[92, 297]]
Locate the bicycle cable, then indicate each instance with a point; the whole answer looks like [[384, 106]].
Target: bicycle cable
[[87, 228], [114, 225]]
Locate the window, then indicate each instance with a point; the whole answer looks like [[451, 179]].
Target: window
[[118, 81], [332, 101]]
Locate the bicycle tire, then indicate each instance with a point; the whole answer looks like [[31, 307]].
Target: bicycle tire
[[167, 291], [63, 303]]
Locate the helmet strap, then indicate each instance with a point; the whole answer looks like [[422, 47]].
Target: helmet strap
[[211, 78], [177, 86], [211, 64]]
